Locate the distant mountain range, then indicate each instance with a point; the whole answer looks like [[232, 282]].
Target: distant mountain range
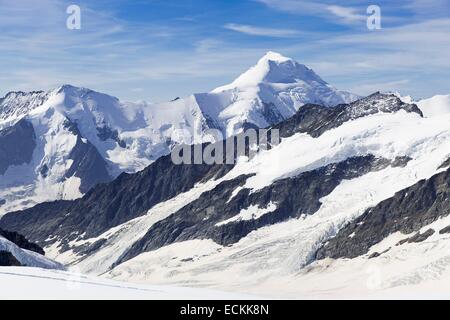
[[353, 201], [59, 144]]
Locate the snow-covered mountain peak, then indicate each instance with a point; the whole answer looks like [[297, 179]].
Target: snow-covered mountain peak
[[281, 69], [16, 104], [273, 68], [70, 90], [89, 108], [272, 90], [84, 93], [274, 56], [73, 95]]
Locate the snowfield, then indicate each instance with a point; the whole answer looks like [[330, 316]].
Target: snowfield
[[33, 283]]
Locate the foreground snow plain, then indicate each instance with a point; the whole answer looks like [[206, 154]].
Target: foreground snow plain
[[34, 283]]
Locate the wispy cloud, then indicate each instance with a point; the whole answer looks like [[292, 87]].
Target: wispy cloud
[[337, 13], [434, 8], [295, 6], [347, 13], [260, 31], [364, 60], [108, 53]]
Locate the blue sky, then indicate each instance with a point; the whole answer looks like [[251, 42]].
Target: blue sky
[[157, 50]]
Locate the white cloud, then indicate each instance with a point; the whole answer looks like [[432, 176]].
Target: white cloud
[[337, 13], [295, 6], [260, 31], [347, 13], [364, 61]]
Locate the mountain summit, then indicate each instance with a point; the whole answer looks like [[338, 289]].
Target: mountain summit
[[273, 90], [274, 68]]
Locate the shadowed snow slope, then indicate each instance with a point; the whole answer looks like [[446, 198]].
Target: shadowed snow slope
[[23, 257]]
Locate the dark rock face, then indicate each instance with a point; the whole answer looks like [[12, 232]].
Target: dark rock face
[[21, 241], [17, 144], [8, 260], [377, 254], [418, 237], [88, 248], [374, 255], [44, 171], [408, 211], [111, 204], [88, 165], [446, 164], [293, 197], [445, 230]]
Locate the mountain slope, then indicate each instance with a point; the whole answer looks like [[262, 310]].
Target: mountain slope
[[228, 204], [61, 143], [15, 105], [271, 91], [409, 211], [369, 209]]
